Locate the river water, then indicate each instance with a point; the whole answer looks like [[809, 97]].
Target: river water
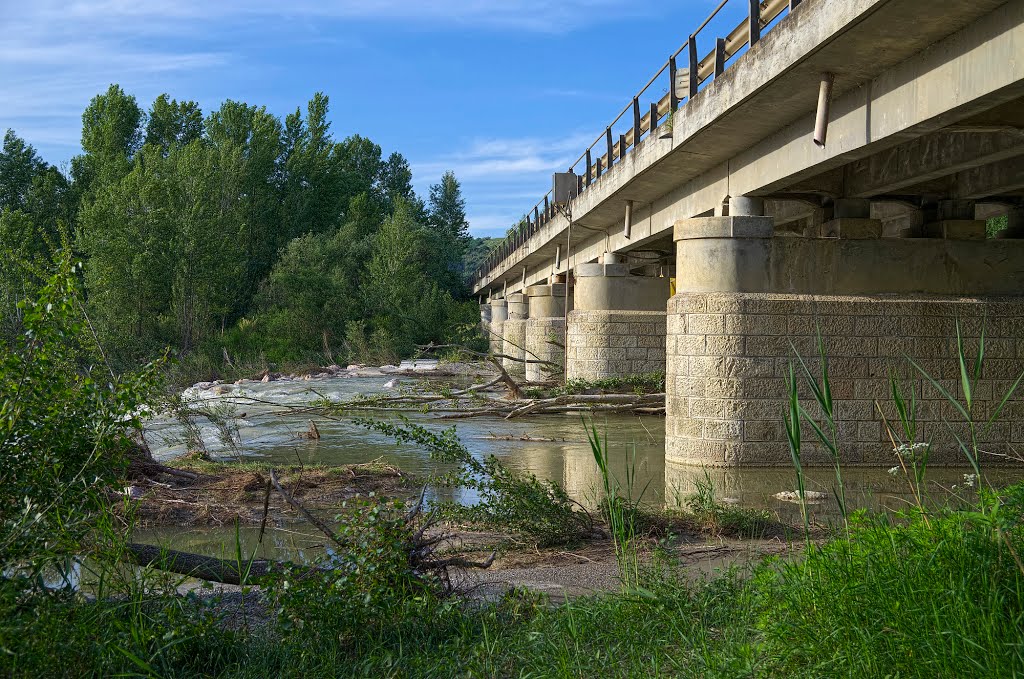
[[553, 447]]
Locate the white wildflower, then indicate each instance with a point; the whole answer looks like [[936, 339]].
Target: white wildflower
[[910, 450], [970, 480], [894, 471]]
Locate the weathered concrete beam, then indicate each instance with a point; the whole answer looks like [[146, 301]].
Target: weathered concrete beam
[[902, 73], [929, 157], [965, 74], [996, 179]]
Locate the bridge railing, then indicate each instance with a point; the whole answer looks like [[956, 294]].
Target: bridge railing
[[635, 123]]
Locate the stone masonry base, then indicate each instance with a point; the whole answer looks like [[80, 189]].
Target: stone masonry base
[[496, 331], [545, 340], [602, 344], [514, 344], [729, 355]]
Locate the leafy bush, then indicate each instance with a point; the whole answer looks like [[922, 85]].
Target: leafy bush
[[540, 510], [715, 517], [365, 585], [643, 383], [65, 424]]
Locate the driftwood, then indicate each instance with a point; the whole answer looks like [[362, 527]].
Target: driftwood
[[422, 549], [202, 567], [628, 401], [141, 464]]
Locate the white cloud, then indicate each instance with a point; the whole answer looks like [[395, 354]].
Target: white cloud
[[504, 158], [57, 54], [505, 177]]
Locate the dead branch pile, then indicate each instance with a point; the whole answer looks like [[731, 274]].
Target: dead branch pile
[[425, 548], [220, 496], [455, 405]]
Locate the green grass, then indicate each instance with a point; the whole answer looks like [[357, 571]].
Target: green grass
[[706, 514], [898, 597]]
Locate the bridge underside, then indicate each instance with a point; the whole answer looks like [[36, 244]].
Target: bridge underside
[[877, 241]]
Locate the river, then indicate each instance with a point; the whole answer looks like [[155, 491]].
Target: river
[[555, 448]]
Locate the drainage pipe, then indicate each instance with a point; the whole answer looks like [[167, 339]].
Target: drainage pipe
[[824, 104]]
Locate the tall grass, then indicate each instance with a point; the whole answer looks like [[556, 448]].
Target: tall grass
[[826, 430], [620, 509]]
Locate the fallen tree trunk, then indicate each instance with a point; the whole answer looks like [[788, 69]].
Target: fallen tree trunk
[[627, 401], [202, 567]]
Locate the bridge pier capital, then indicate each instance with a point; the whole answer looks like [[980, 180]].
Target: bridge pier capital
[[723, 254]]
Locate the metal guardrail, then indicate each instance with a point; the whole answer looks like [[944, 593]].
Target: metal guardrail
[[683, 85]]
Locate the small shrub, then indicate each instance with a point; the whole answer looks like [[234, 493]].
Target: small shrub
[[65, 427], [715, 517], [644, 383], [540, 510], [364, 586]]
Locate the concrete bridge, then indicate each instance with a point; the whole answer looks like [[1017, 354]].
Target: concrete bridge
[[830, 165]]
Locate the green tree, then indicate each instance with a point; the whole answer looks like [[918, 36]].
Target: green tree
[[19, 166], [396, 179], [111, 135], [248, 143], [449, 234], [359, 160], [39, 191], [309, 296], [315, 195], [173, 124], [206, 225], [396, 184], [125, 232], [404, 304]]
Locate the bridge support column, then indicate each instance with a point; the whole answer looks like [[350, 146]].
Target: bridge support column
[[499, 312], [485, 318], [956, 222], [545, 330], [851, 219], [514, 337], [617, 325], [746, 301]]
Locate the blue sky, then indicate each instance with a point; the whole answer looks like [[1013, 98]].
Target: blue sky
[[502, 92]]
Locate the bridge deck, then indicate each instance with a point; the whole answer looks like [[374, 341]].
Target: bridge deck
[[904, 70]]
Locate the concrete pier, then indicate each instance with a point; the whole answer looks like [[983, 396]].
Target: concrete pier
[[749, 301], [545, 330], [485, 318], [499, 313], [514, 334], [617, 325]]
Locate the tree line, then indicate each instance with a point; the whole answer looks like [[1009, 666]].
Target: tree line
[[237, 234]]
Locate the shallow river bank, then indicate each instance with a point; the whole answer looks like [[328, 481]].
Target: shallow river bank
[[261, 423]]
